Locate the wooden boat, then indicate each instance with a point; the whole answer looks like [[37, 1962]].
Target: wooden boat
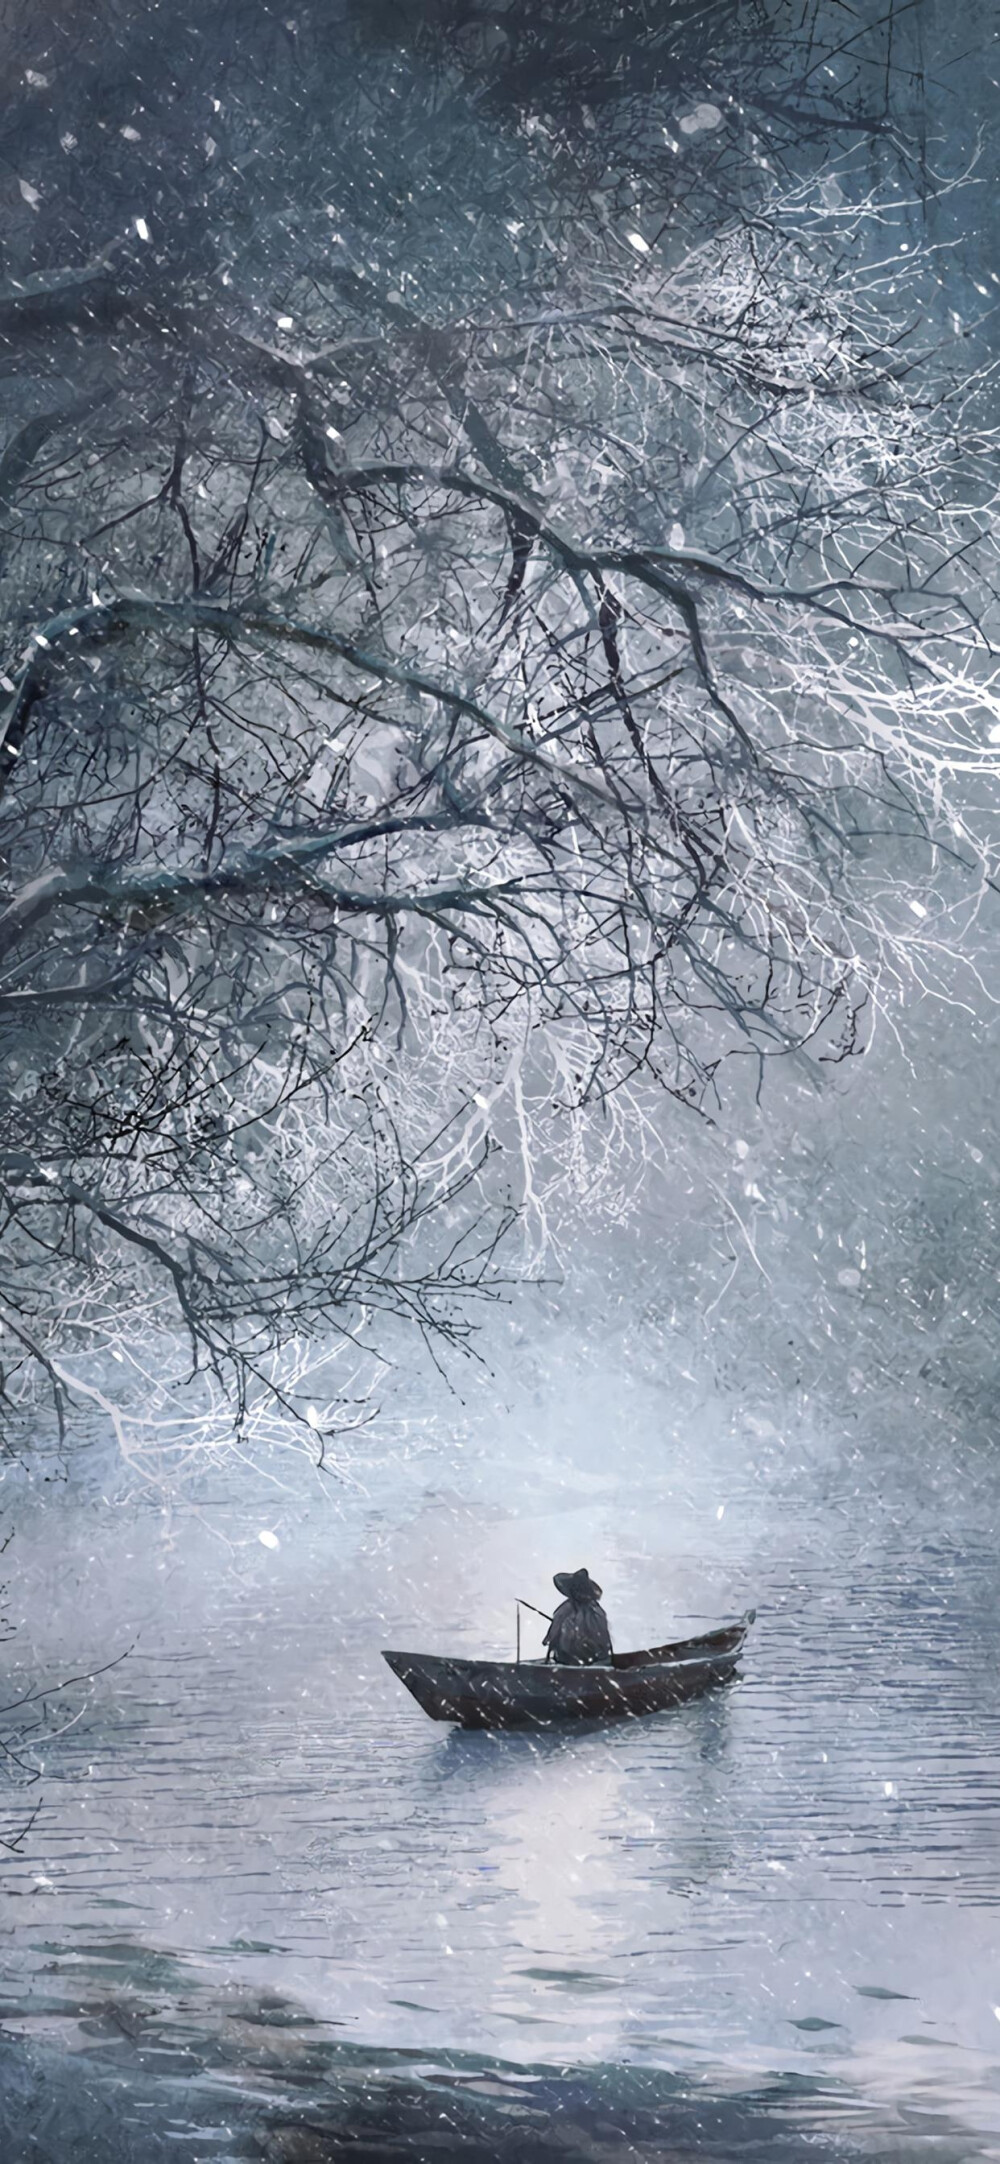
[[534, 1694]]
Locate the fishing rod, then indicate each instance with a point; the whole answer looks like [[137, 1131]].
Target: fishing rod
[[518, 1605]]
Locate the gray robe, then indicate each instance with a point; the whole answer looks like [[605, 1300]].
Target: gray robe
[[578, 1634]]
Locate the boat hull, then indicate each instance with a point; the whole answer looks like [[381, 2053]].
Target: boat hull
[[538, 1694]]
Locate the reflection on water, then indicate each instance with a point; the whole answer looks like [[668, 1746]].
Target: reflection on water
[[799, 1874]]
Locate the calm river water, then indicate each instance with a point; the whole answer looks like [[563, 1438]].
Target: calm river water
[[799, 1875]]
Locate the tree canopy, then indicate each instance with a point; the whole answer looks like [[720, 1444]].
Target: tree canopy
[[497, 572]]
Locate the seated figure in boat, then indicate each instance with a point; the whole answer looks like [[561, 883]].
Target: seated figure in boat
[[578, 1633]]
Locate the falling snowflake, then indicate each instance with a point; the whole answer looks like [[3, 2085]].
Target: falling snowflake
[[704, 117]]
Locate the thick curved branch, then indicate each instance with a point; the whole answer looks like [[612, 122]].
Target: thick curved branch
[[158, 895], [47, 299], [103, 622], [646, 565]]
